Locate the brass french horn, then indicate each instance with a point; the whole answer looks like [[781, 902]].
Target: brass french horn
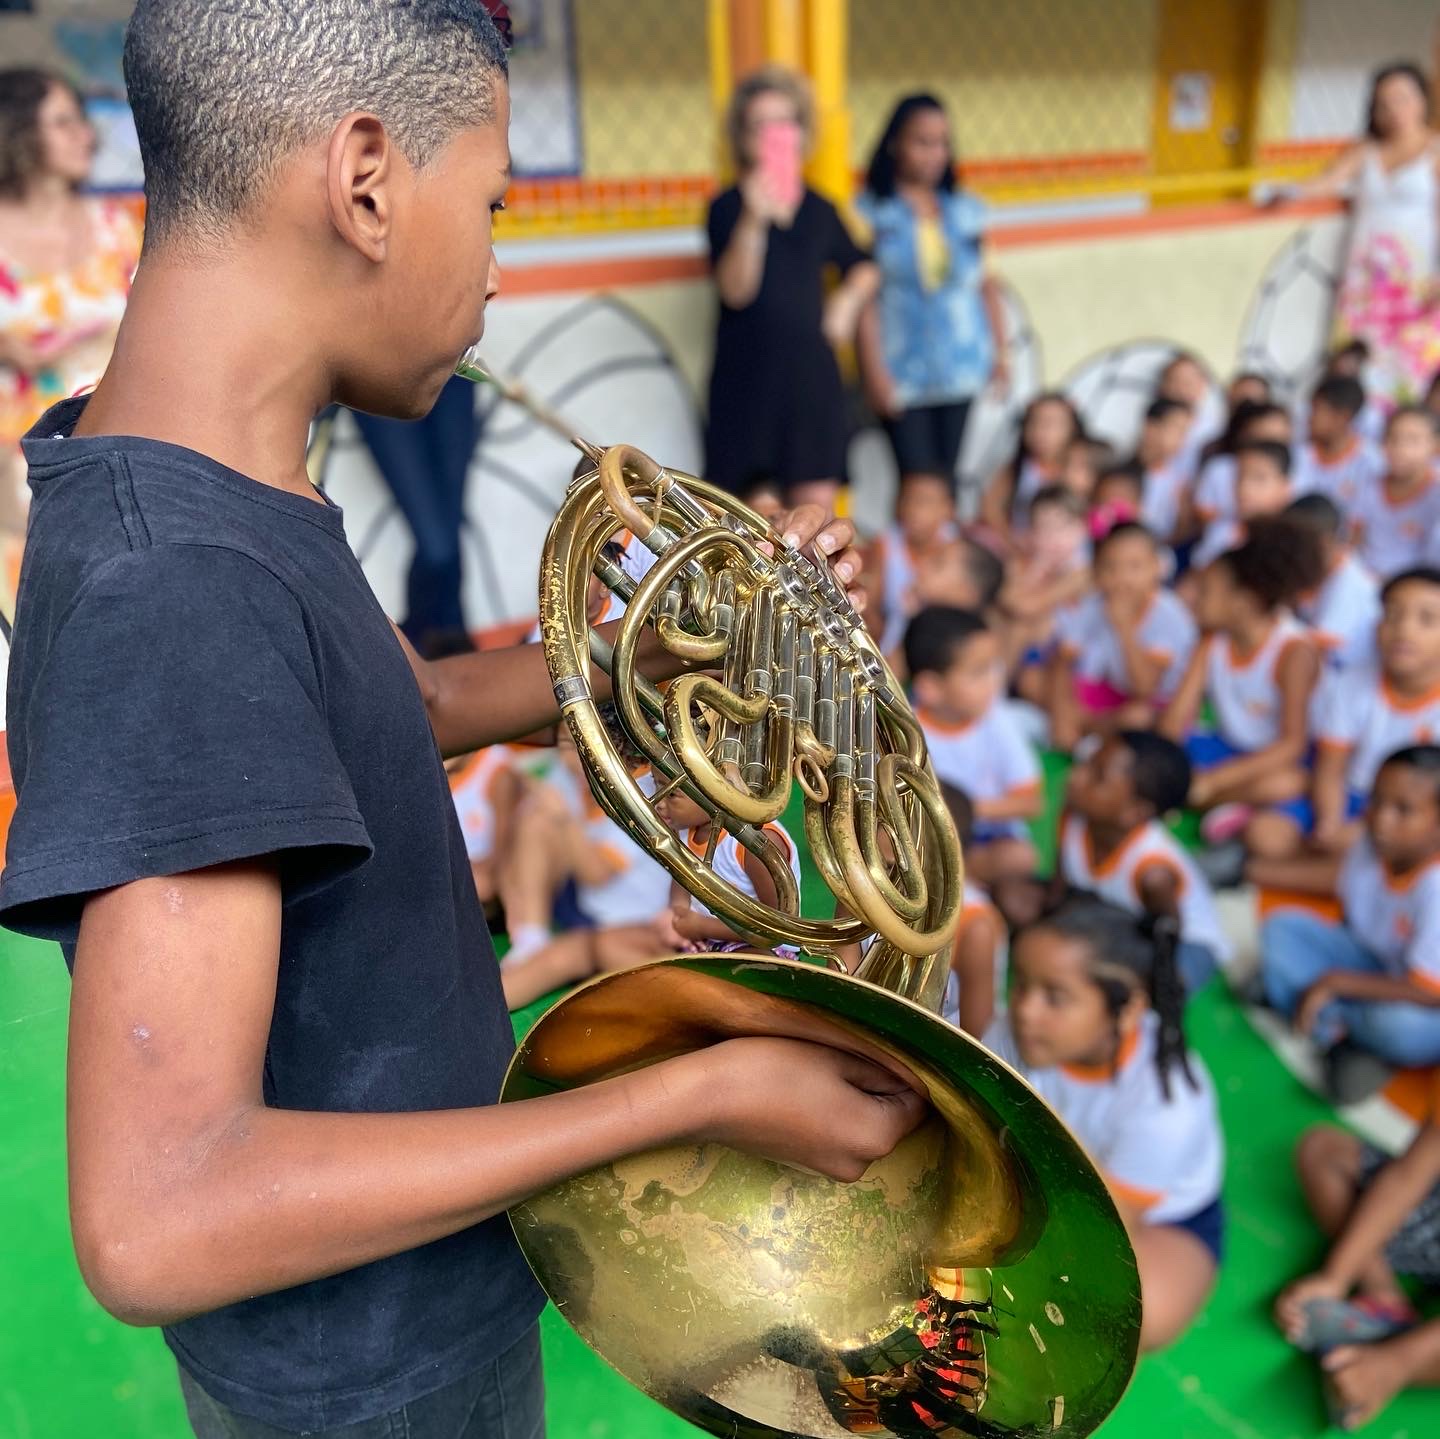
[[978, 1280]]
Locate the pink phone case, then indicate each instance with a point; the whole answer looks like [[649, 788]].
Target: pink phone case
[[778, 152]]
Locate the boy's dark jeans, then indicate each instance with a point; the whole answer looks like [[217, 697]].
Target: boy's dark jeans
[[503, 1399]]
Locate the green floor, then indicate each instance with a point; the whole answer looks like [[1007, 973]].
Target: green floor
[[67, 1371]]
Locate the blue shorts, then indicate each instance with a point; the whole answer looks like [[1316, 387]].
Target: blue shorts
[[988, 831], [1210, 751], [1208, 1226], [1303, 812]]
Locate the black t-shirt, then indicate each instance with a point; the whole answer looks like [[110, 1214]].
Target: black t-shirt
[[787, 308], [776, 407], [201, 674]]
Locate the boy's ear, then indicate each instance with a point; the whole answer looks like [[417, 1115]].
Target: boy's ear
[[359, 178], [1132, 1012]]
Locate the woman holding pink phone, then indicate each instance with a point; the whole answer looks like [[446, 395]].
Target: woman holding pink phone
[[777, 411]]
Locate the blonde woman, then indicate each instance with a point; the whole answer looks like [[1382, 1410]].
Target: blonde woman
[[777, 411]]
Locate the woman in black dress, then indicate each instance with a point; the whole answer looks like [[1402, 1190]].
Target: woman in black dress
[[777, 412]]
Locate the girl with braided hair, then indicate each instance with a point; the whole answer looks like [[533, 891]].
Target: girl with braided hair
[[1258, 667], [1096, 1024]]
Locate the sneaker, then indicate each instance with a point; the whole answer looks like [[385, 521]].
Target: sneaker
[[1224, 823], [1353, 1074], [1329, 1323]]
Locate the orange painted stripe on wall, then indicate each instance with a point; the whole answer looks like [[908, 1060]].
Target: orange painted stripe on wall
[[1280, 152], [543, 279]]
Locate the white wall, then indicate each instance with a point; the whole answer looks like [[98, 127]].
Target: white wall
[[1339, 44]]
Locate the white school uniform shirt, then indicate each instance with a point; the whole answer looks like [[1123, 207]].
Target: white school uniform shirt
[[1359, 712], [1166, 1156], [976, 903], [729, 862], [473, 791], [1246, 695], [637, 561], [1341, 479], [1343, 613], [639, 888], [1087, 638], [897, 582], [1118, 878], [1369, 424], [1396, 919], [1392, 537], [1215, 489], [989, 758], [1160, 498]]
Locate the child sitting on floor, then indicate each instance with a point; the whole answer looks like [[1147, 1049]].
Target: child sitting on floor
[[1367, 990], [976, 987], [691, 926], [956, 671], [1121, 651], [1085, 461], [1050, 573], [1212, 503], [1344, 612], [1395, 514], [1383, 1218], [1337, 461], [961, 572], [621, 889], [1262, 488], [1185, 379], [486, 788], [1095, 1023], [1351, 360], [924, 521], [1047, 428], [1363, 715], [1257, 668], [1113, 841], [1116, 498], [1162, 457]]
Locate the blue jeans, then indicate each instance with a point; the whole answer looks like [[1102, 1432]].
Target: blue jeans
[[1296, 949], [424, 463], [503, 1399]]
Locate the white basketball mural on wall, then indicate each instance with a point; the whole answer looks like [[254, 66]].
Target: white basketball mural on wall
[[1287, 331], [593, 360], [1113, 388]]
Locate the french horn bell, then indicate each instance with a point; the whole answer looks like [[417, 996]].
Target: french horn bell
[[976, 1281]]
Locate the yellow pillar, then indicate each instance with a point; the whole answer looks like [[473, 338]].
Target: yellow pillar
[[721, 39], [826, 63], [784, 33], [809, 36]]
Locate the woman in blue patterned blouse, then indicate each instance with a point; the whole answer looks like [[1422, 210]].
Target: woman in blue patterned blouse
[[935, 336]]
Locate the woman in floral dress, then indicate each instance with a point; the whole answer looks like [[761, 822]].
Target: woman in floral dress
[[66, 260], [1389, 294]]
